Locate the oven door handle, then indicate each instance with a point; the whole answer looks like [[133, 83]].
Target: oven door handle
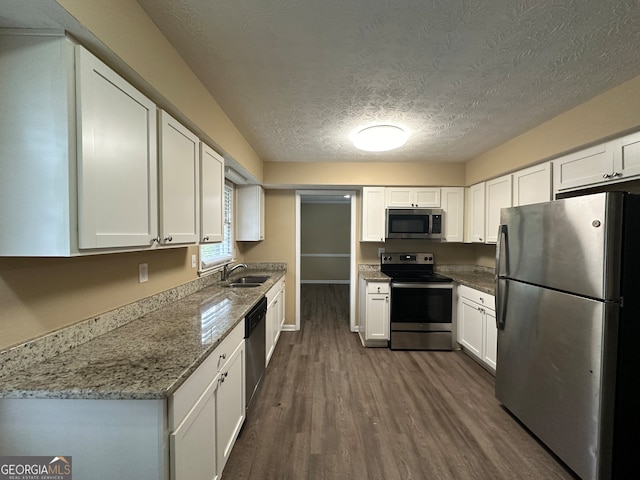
[[443, 286]]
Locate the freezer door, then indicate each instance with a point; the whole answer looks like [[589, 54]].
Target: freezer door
[[573, 245], [556, 372]]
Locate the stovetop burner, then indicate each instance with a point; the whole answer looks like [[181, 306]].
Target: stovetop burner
[[410, 267]]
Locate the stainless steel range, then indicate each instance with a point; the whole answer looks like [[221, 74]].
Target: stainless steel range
[[421, 302]]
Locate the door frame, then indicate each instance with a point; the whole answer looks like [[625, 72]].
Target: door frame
[[352, 244]]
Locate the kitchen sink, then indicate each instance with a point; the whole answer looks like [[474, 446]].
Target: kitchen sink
[[252, 279], [249, 281]]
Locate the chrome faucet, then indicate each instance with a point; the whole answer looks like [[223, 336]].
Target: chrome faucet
[[227, 271]]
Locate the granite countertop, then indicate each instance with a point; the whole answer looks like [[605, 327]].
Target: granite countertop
[[148, 358], [474, 276], [477, 277]]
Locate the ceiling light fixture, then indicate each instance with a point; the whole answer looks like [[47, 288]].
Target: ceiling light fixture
[[379, 138]]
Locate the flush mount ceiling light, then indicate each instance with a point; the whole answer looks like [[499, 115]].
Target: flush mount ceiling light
[[379, 138]]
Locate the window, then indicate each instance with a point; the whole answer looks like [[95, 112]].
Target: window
[[215, 254]]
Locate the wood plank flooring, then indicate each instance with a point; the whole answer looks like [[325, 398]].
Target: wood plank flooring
[[329, 408]]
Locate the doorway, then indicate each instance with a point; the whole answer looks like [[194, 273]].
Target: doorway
[[325, 244]]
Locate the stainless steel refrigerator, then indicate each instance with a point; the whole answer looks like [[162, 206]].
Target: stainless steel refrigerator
[[568, 315]]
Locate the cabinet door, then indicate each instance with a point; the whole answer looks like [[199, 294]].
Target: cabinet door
[[498, 192], [117, 159], [269, 329], [373, 214], [427, 197], [399, 197], [250, 218], [179, 189], [377, 321], [452, 203], [586, 167], [193, 443], [476, 212], [627, 157], [532, 185], [490, 343], [230, 408], [211, 195], [470, 326]]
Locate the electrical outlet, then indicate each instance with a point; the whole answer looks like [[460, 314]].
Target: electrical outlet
[[194, 261], [380, 251], [143, 272]]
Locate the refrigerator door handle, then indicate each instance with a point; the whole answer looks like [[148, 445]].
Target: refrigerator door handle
[[502, 269], [502, 244], [502, 292]]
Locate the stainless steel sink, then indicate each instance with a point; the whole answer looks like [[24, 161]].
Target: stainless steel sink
[[249, 281], [252, 279]]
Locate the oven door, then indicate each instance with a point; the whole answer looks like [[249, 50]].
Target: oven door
[[421, 316]]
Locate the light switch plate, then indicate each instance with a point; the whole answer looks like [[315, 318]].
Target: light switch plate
[[194, 261], [143, 272]]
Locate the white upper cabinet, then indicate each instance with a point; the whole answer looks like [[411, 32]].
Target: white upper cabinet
[[586, 167], [250, 217], [411, 197], [476, 213], [116, 159], [614, 161], [532, 185], [179, 161], [627, 157], [498, 196], [211, 195], [452, 204], [78, 165], [373, 214]]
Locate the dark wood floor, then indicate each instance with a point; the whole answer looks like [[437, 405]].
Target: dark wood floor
[[331, 409]]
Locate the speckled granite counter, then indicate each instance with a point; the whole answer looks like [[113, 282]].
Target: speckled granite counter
[[372, 273], [474, 276], [147, 358]]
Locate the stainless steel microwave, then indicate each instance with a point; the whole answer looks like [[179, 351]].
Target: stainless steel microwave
[[414, 223]]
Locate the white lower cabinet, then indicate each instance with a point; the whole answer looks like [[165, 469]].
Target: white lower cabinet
[[374, 313], [275, 317], [477, 332], [195, 435], [230, 406], [207, 412]]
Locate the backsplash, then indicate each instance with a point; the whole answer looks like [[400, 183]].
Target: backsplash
[[42, 348]]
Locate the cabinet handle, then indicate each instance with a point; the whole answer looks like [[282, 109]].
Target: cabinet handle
[[156, 239], [606, 175], [616, 174], [205, 239], [480, 238], [223, 356], [168, 239]]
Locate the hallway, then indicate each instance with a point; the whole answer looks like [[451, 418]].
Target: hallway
[[331, 409]]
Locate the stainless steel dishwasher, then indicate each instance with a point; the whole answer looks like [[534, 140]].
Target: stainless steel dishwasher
[[255, 346]]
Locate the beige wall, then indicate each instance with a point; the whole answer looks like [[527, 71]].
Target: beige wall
[[608, 115], [41, 295], [364, 173]]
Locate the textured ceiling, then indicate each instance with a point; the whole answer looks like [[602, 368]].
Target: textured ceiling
[[462, 76]]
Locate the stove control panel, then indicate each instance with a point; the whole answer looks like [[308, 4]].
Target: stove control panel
[[406, 258]]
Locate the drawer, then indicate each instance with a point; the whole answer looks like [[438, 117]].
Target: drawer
[[377, 287], [187, 395], [477, 296]]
